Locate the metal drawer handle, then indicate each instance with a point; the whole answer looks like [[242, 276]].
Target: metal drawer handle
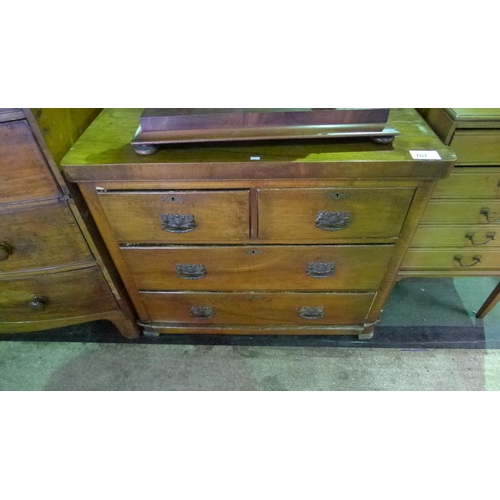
[[320, 269], [178, 223], [5, 251], [486, 213], [476, 259], [489, 236], [38, 303], [312, 312], [333, 221], [202, 312], [191, 271]]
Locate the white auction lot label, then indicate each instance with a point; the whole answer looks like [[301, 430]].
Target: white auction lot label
[[425, 155]]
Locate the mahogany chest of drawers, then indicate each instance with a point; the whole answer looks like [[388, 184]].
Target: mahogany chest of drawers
[[301, 237], [51, 271], [459, 234]]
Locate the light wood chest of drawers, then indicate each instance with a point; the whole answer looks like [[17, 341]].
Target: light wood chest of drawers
[[262, 238], [459, 234], [52, 272]]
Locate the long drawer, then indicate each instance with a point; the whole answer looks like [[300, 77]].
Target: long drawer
[[184, 217], [24, 174], [258, 308], [480, 147], [331, 215], [462, 212], [469, 183], [305, 268], [54, 296], [40, 237], [457, 236], [452, 259]]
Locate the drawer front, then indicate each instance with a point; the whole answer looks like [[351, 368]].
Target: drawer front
[[259, 267], [259, 308], [54, 296], [457, 236], [462, 212], [469, 185], [457, 259], [24, 175], [178, 216], [40, 237], [329, 215], [480, 147]]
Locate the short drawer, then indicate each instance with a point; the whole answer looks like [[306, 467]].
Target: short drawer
[[54, 296], [24, 175], [40, 237], [259, 308], [457, 236], [330, 215], [178, 216], [462, 212], [259, 267], [456, 259], [469, 183], [481, 147]]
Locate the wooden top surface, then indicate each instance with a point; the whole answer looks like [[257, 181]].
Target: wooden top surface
[[474, 114], [104, 152]]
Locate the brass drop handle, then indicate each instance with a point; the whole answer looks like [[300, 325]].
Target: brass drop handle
[[476, 259], [5, 250], [333, 221], [38, 303], [486, 213], [191, 271], [312, 312], [202, 312], [489, 236], [178, 223]]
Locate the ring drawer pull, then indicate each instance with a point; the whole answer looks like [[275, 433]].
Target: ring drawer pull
[[333, 221], [202, 312], [320, 269], [476, 259], [312, 312], [489, 236], [38, 303], [486, 213], [5, 251], [178, 223], [191, 271]]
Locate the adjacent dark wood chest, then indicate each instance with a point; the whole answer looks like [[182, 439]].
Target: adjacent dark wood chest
[[52, 272], [297, 237]]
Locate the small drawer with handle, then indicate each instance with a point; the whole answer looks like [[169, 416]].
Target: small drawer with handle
[[178, 216], [469, 183], [331, 215], [457, 236], [258, 308], [54, 296], [457, 259], [462, 212], [477, 147]]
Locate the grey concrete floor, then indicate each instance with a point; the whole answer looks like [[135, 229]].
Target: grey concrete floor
[[93, 367], [74, 366]]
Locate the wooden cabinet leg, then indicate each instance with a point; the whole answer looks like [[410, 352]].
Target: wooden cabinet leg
[[367, 333], [490, 302], [127, 326]]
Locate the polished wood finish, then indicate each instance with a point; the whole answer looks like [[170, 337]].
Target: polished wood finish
[[219, 216], [259, 308], [260, 267], [51, 272], [62, 298], [291, 214], [388, 192], [463, 218], [24, 173], [42, 236]]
